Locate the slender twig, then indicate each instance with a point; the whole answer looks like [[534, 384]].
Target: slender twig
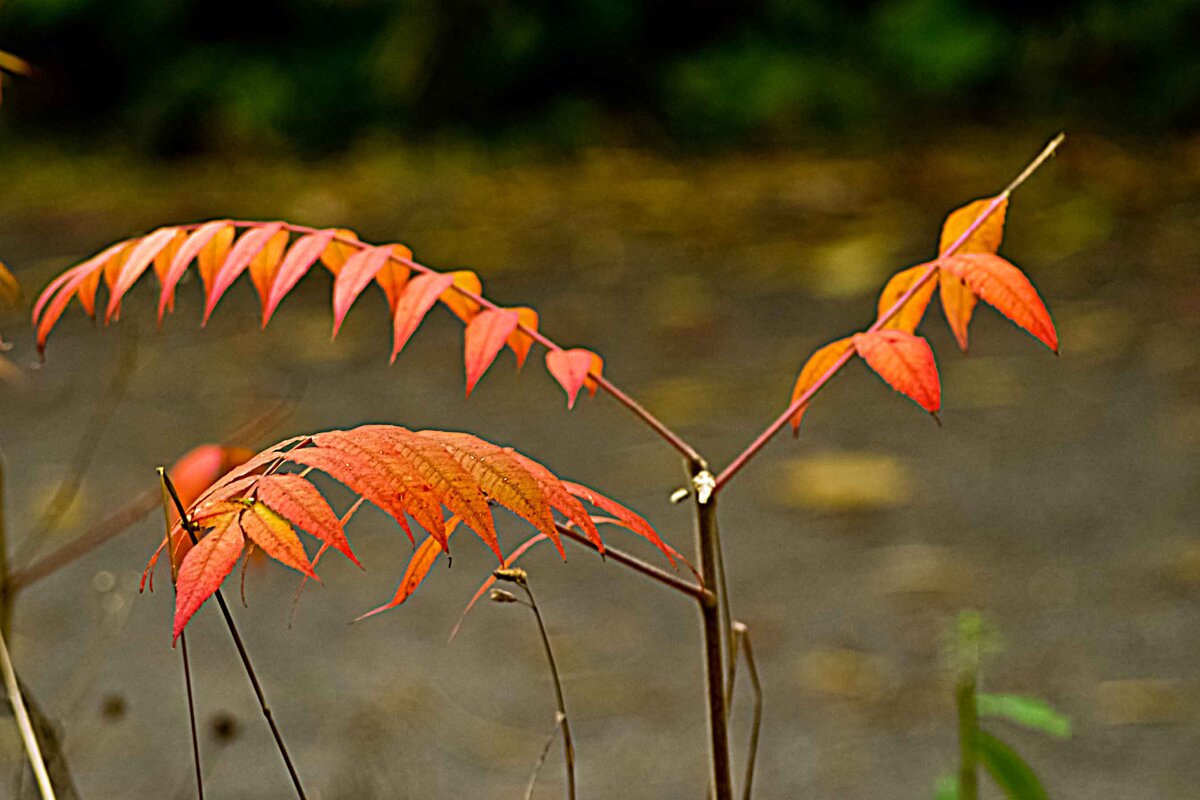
[[190, 527], [187, 664], [741, 641], [85, 450], [638, 565], [521, 578], [754, 447], [24, 724], [137, 508]]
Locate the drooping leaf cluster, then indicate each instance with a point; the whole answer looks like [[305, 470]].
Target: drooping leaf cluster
[[968, 270], [276, 255], [438, 479]]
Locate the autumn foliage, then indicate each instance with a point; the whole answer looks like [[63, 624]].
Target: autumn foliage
[[439, 479]]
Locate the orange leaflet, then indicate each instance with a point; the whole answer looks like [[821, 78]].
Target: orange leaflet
[[463, 307], [251, 243], [298, 501], [298, 261], [276, 537], [817, 365], [196, 242], [10, 290], [355, 274], [905, 362], [419, 565], [213, 254], [986, 239], [561, 500], [53, 302], [140, 257], [483, 339], [163, 261], [337, 253], [265, 265], [910, 315], [501, 477], [570, 368], [518, 340], [204, 568], [958, 305], [418, 297], [394, 274], [1001, 285]]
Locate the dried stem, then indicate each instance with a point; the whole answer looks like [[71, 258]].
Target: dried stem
[[537, 767], [24, 724], [241, 647], [520, 578], [754, 447]]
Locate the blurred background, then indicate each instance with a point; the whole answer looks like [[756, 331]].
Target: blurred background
[[704, 193]]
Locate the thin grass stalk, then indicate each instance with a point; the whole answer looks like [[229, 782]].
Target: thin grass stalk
[[24, 724]]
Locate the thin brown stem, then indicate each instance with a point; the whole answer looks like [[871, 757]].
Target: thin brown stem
[[777, 425], [537, 767], [638, 565], [187, 662], [241, 647], [560, 702]]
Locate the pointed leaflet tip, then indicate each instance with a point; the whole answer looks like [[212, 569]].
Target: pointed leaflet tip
[[240, 255], [276, 537], [359, 270], [905, 362], [191, 248], [483, 339], [958, 305], [1003, 286], [418, 297], [140, 257], [204, 568], [570, 369], [299, 259], [814, 369]]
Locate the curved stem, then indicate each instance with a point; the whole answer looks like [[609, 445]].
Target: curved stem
[[25, 724], [754, 447], [561, 704]]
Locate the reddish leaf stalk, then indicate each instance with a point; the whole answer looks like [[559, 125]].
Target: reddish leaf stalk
[[698, 593], [754, 447]]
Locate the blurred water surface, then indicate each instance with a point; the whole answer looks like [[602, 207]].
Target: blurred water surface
[[1059, 497]]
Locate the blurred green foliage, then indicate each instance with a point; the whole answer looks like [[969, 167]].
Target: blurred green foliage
[[191, 75]]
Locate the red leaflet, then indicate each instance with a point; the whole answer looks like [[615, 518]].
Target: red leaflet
[[628, 518], [299, 259], [265, 265], [140, 257], [817, 365], [905, 362], [243, 252], [300, 503], [54, 299], [485, 336], [570, 368], [562, 501], [518, 340], [276, 537], [204, 568], [909, 316], [501, 477], [355, 274], [415, 301], [191, 248], [1001, 285]]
